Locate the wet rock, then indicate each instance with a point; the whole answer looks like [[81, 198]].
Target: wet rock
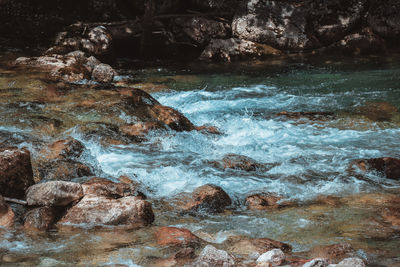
[[103, 73], [181, 258], [172, 236], [334, 253], [239, 162], [392, 214], [71, 74], [15, 172], [246, 246], [207, 198], [210, 256], [101, 40], [171, 117], [61, 169], [63, 149], [106, 188], [377, 111], [140, 129], [7, 216], [91, 63], [389, 167], [274, 256], [53, 193], [328, 201], [102, 210], [280, 24], [42, 218], [383, 18], [201, 30], [236, 49], [263, 201], [138, 98], [318, 262], [208, 129], [351, 262], [310, 115]]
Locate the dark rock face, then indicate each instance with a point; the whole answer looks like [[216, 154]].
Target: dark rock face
[[389, 167], [384, 19], [54, 193], [15, 172], [102, 210]]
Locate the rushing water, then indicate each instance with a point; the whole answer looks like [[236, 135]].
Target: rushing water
[[310, 158]]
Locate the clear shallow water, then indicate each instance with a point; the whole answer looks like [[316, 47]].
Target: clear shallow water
[[311, 156]]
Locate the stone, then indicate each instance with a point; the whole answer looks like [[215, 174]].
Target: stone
[[377, 111], [103, 73], [206, 198], [101, 40], [171, 117], [238, 162], [140, 129], [61, 169], [389, 167], [274, 256], [263, 201], [334, 253], [91, 63], [16, 173], [172, 236], [318, 262], [131, 211], [7, 216], [392, 214], [248, 246], [351, 262], [63, 149], [212, 257], [42, 218], [106, 188], [53, 193], [233, 49]]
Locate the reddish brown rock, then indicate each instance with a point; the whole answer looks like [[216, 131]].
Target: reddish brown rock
[[15, 172], [208, 198], [263, 201], [102, 210], [140, 129], [172, 236], [328, 200], [181, 258], [392, 215], [61, 169], [171, 117], [377, 111], [334, 253], [41, 218], [208, 129], [7, 216], [106, 188], [239, 162], [66, 148], [247, 246], [390, 167], [53, 193]]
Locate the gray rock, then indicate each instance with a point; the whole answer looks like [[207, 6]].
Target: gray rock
[[351, 262], [103, 73], [53, 193], [212, 257], [274, 256], [318, 262]]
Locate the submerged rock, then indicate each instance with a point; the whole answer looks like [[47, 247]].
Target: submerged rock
[[54, 193], [263, 201], [16, 173], [334, 253], [310, 115], [392, 214], [7, 216], [103, 210], [172, 236], [377, 111], [389, 167], [140, 129], [249, 246], [63, 149], [207, 198], [42, 218], [210, 256]]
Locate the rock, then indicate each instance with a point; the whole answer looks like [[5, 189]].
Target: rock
[[102, 210], [106, 188], [138, 98], [384, 19], [334, 253], [140, 129], [236, 49], [263, 201], [63, 149], [61, 169], [280, 24], [42, 218], [310, 115], [103, 73], [181, 258], [172, 236], [351, 262], [72, 73], [328, 201], [212, 257], [7, 216], [318, 262], [377, 111], [239, 162], [101, 40], [392, 214], [91, 63], [246, 246], [207, 198], [389, 167], [201, 30], [274, 256], [208, 129], [15, 172], [171, 117], [53, 193]]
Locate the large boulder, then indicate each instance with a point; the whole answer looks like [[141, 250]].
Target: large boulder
[[172, 236], [15, 172], [103, 210], [280, 24], [7, 216], [53, 193], [210, 256], [236, 49], [206, 198], [389, 167]]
